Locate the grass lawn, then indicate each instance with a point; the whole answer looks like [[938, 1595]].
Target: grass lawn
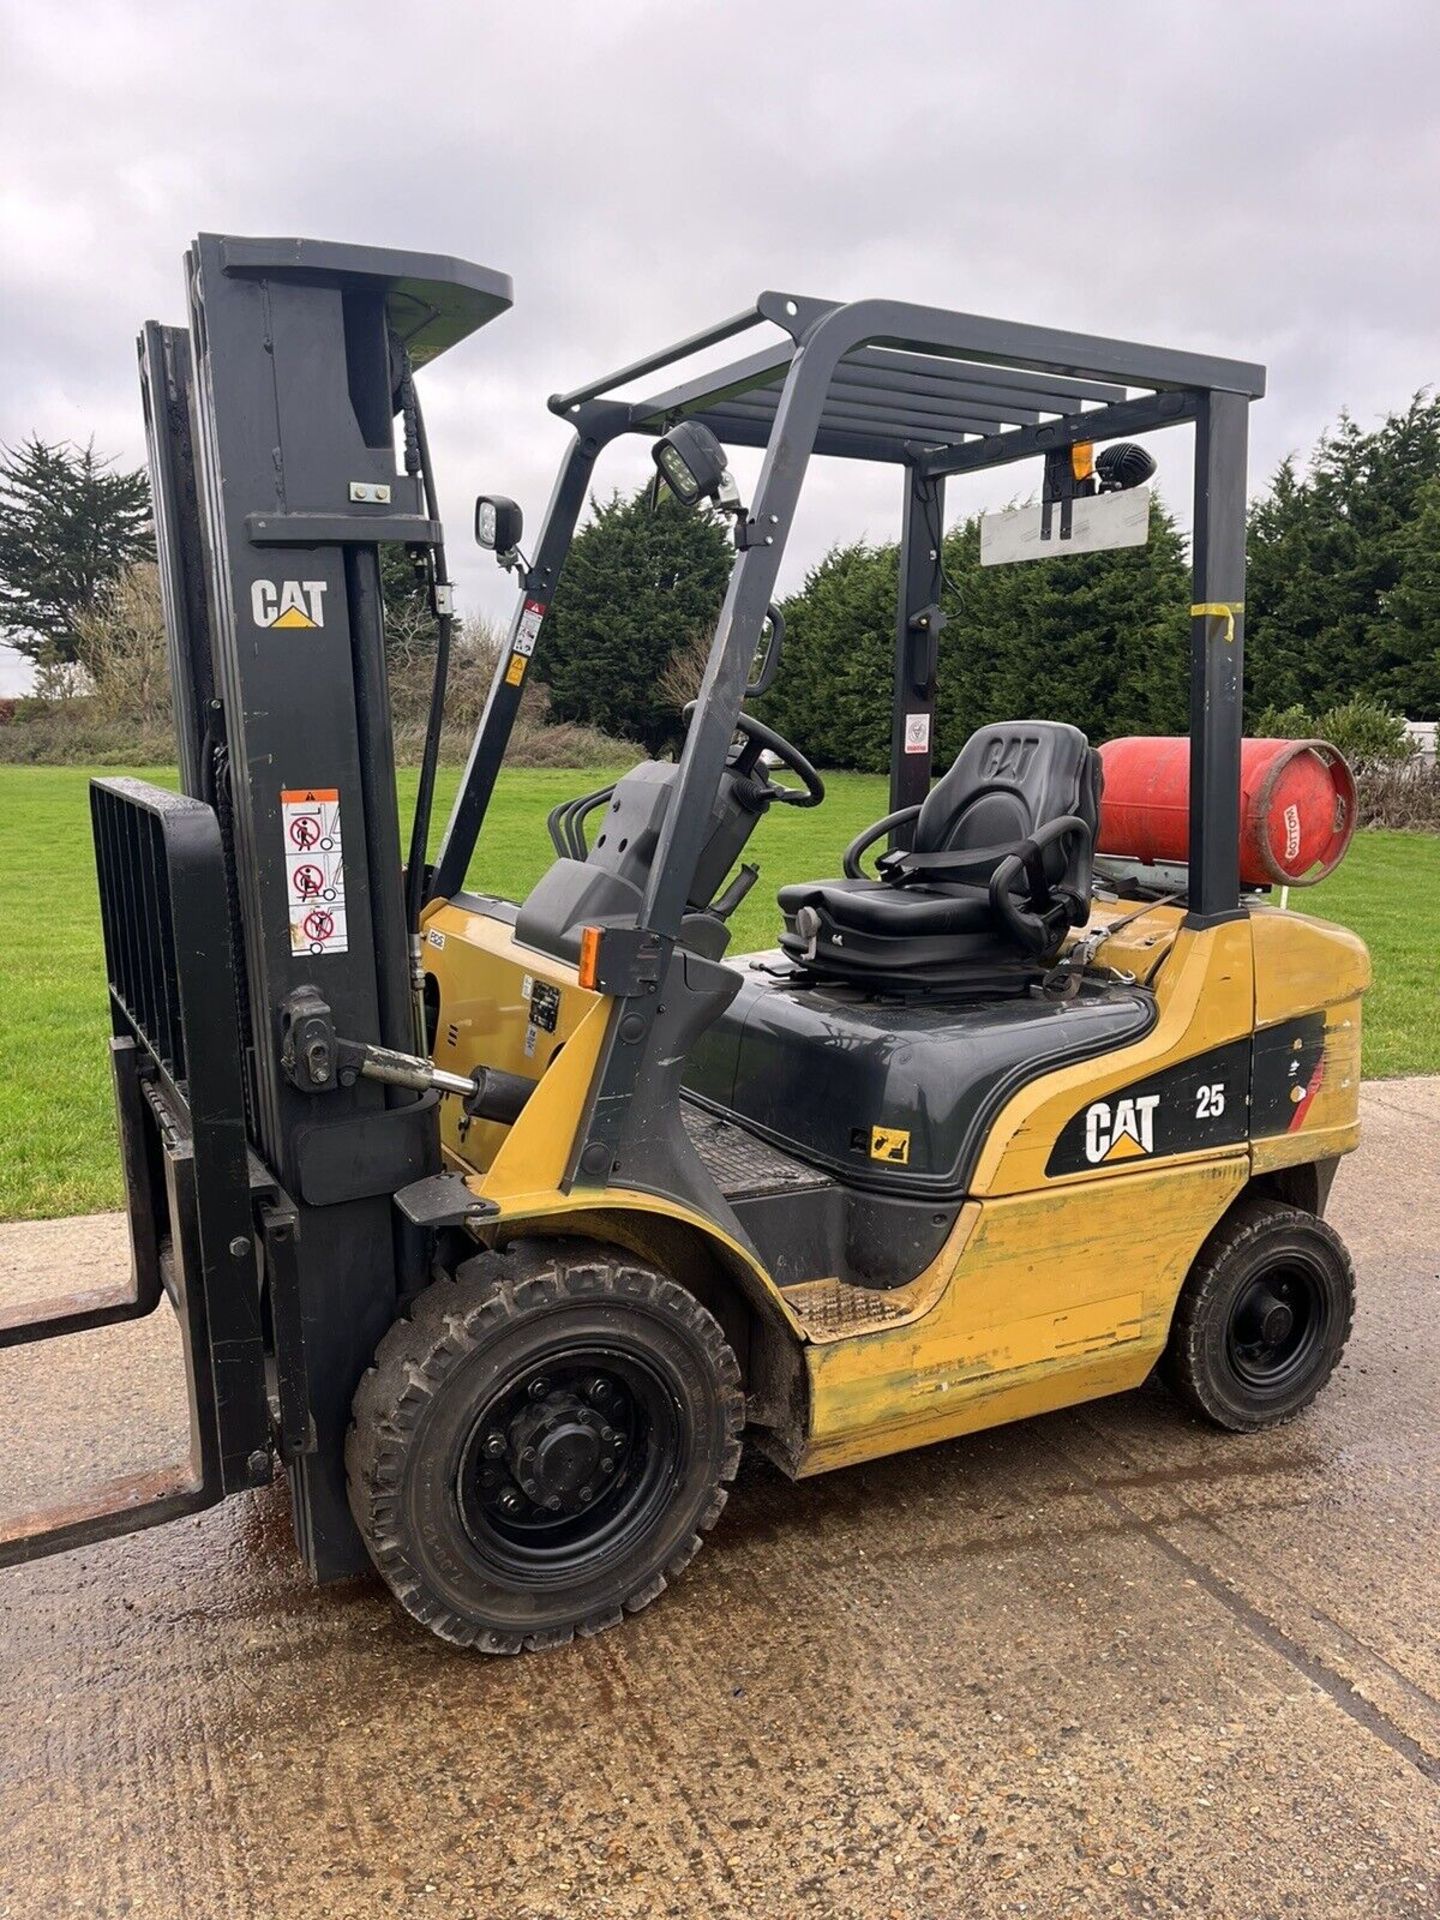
[[58, 1152]]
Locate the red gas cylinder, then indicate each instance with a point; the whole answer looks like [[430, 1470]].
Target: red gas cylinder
[[1297, 807]]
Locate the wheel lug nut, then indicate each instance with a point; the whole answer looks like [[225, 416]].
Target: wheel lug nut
[[597, 1390], [586, 1496], [527, 1453], [494, 1445], [607, 1466], [511, 1501], [553, 1503], [539, 1387]]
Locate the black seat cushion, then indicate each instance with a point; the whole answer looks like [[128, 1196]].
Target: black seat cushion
[[1007, 783], [871, 906]]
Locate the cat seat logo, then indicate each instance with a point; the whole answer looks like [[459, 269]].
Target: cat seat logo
[[1007, 756], [288, 603], [1123, 1130]]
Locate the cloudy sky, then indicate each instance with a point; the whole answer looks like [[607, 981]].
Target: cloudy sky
[[1254, 177]]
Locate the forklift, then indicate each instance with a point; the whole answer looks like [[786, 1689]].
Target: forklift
[[503, 1226]]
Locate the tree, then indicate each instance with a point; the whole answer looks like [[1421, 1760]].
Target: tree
[[1096, 639], [409, 620], [120, 645], [1341, 587], [1411, 610], [639, 584], [68, 525], [832, 694]]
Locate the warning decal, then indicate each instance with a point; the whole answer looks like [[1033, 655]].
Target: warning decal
[[890, 1143], [917, 733], [527, 630], [314, 869]]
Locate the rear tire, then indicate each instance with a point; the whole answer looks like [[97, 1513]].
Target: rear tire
[[541, 1443], [1263, 1317]]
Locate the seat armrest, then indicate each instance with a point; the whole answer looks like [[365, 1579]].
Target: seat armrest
[[972, 864], [978, 864], [850, 864]]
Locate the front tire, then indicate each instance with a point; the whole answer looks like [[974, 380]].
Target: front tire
[[541, 1443], [1263, 1317]]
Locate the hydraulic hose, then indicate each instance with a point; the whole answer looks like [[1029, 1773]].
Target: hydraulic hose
[[430, 755]]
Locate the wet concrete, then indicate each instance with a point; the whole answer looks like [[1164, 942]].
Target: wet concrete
[[1109, 1663]]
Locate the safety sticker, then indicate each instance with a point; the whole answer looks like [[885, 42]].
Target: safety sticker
[[527, 630], [545, 1005], [917, 733], [314, 869], [515, 672], [890, 1143]]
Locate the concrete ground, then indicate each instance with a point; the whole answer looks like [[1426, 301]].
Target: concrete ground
[[1109, 1663]]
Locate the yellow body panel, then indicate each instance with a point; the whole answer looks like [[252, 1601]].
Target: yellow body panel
[[1206, 996], [1307, 963], [1057, 1297], [486, 993], [1050, 1289]]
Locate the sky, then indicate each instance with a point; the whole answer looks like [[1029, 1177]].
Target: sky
[[1255, 178]]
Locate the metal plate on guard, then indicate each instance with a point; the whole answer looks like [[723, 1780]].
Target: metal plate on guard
[[1099, 524]]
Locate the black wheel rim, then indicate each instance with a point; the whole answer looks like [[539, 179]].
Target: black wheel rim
[[568, 1463], [1277, 1329]]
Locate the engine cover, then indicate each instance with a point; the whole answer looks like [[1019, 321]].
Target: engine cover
[[894, 1095]]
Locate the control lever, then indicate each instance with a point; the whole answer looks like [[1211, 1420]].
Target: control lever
[[729, 900], [316, 1060], [486, 1094]]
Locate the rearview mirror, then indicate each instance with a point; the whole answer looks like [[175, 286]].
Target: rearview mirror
[[499, 524]]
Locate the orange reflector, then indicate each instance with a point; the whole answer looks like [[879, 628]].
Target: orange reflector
[[589, 957], [1082, 460]]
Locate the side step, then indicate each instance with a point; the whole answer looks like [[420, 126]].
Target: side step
[[794, 1214], [800, 1220]]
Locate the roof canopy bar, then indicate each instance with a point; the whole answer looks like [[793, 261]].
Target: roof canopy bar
[[897, 426], [926, 366], [976, 388], [738, 430], [888, 403], [929, 386], [1079, 356], [1023, 443], [696, 343]]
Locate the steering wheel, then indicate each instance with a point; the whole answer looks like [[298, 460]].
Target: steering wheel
[[762, 739]]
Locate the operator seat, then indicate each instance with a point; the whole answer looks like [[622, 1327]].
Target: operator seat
[[999, 870]]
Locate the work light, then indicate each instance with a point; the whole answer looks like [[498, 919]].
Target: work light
[[1123, 466], [692, 463], [499, 524]]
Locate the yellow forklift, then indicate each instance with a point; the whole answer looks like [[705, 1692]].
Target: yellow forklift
[[520, 1219]]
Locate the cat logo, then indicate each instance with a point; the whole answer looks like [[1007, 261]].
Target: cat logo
[[890, 1143], [290, 603], [1121, 1132], [1007, 755]]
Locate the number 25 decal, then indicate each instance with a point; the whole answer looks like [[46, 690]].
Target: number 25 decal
[[1210, 1101]]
